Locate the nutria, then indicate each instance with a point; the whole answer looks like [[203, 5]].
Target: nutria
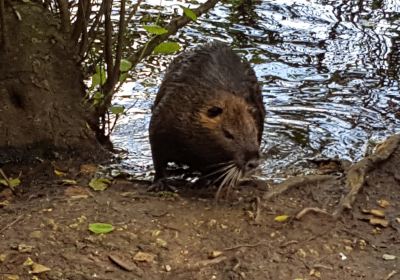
[[209, 115]]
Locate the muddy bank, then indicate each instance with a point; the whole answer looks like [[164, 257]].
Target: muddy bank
[[187, 235]]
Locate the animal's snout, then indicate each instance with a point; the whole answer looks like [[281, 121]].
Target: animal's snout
[[252, 161]]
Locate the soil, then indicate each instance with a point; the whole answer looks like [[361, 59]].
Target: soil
[[190, 236]]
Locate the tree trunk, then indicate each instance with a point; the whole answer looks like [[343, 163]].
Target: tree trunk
[[41, 89]]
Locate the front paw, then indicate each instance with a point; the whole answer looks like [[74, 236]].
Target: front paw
[[161, 185]]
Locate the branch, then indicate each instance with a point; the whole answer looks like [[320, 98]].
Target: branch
[[172, 27], [108, 38], [120, 43], [81, 22], [4, 40], [65, 15], [92, 33]]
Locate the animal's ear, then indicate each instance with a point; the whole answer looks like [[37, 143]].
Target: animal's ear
[[214, 111]]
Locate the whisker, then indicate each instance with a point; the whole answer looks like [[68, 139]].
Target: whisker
[[217, 171], [229, 174]]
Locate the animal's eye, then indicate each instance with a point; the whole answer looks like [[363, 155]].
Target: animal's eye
[[214, 111], [228, 134]]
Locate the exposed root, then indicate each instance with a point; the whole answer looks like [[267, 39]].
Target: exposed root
[[295, 182], [307, 210], [357, 174]]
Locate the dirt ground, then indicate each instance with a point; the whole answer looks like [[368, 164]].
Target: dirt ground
[[44, 227]]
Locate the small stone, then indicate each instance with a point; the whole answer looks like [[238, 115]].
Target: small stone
[[2, 257], [167, 268], [23, 248], [348, 249], [362, 244], [388, 257], [212, 223]]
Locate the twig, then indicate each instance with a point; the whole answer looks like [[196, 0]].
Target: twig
[[210, 262], [391, 274], [174, 25], [258, 211], [242, 246], [305, 211], [12, 223], [295, 182]]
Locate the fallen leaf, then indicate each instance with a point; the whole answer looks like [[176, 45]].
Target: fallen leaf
[[215, 254], [379, 222], [99, 184], [281, 218], [28, 262], [68, 182], [4, 203], [39, 268], [144, 257], [100, 228], [376, 212], [59, 173], [162, 243], [11, 277], [383, 203], [122, 262], [23, 248], [12, 182]]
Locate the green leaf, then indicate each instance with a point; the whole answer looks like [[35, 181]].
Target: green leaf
[[281, 218], [99, 184], [123, 77], [155, 29], [167, 48], [99, 78], [100, 228], [13, 182], [189, 13], [125, 65], [117, 110], [98, 96]]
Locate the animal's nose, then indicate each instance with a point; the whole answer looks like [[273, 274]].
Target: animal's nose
[[252, 164], [252, 160]]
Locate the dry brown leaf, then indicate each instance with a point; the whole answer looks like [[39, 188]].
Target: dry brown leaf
[[215, 254], [122, 262], [379, 222], [144, 257], [383, 203], [39, 268]]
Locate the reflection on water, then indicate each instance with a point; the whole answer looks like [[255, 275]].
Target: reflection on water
[[329, 71]]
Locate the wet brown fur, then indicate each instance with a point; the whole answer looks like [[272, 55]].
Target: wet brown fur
[[208, 79]]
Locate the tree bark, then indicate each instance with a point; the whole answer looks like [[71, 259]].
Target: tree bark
[[41, 90]]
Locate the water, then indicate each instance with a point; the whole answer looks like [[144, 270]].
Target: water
[[329, 71]]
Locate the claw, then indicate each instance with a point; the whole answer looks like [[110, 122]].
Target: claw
[[161, 186]]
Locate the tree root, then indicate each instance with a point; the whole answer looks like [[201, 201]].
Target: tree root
[[295, 182], [357, 174]]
